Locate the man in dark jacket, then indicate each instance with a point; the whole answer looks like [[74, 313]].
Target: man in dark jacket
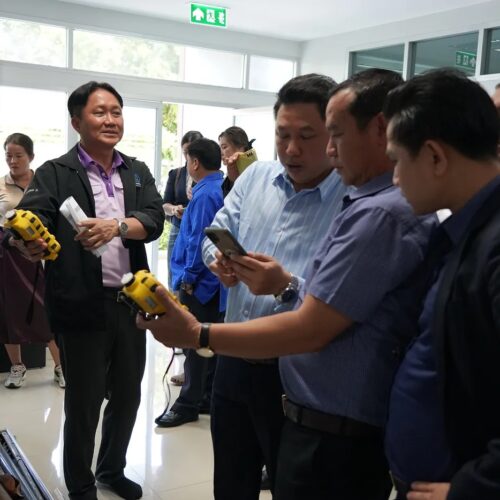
[[103, 353], [443, 433]]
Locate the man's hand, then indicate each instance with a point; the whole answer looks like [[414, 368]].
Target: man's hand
[[32, 250], [261, 273], [176, 328], [97, 232], [232, 170], [428, 491], [221, 267], [179, 211]]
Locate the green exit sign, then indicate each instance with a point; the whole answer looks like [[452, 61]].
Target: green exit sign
[[466, 60], [208, 15]]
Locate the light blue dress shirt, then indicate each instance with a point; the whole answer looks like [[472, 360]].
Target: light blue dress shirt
[[266, 215], [360, 270]]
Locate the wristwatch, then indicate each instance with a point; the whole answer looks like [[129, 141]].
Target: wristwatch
[[187, 287], [290, 292], [122, 228], [204, 350]]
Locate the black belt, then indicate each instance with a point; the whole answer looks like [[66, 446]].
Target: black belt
[[270, 361], [326, 422], [401, 487], [110, 292]]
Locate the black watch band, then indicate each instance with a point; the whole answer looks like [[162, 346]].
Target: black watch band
[[204, 340]]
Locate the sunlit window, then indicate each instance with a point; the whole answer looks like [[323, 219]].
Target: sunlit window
[[27, 42]]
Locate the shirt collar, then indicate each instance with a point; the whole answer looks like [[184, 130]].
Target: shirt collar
[[9, 180], [456, 225], [324, 187], [215, 176], [86, 160], [372, 187]]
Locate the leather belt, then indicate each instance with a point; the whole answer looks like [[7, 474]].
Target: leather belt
[[270, 361], [326, 422]]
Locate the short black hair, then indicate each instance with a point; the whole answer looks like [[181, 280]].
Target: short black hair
[[22, 140], [310, 88], [443, 104], [237, 137], [79, 97], [207, 152], [370, 88], [191, 136]]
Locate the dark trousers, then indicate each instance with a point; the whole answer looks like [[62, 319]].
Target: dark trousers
[[321, 466], [198, 371], [98, 364], [246, 421]]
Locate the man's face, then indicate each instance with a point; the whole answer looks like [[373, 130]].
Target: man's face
[[101, 122], [348, 146], [301, 140], [414, 175]]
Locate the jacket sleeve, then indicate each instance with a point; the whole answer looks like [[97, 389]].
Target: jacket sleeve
[[169, 195], [201, 214], [149, 207], [479, 478], [42, 196]]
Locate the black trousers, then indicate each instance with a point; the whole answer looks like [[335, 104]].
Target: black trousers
[[246, 421], [198, 371], [316, 465], [98, 364]]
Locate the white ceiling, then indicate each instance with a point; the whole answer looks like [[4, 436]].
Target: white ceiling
[[292, 19]]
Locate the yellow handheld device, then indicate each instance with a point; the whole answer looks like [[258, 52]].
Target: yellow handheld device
[[246, 159], [27, 226], [138, 293]]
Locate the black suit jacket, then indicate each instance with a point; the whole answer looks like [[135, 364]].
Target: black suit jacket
[[467, 328], [74, 292]]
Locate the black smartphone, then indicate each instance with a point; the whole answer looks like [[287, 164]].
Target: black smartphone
[[224, 241]]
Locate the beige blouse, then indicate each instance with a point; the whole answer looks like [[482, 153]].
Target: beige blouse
[[10, 196]]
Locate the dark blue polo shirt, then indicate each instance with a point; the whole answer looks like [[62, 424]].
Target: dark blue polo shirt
[[416, 444]]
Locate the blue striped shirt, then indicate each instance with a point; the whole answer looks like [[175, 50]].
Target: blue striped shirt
[[266, 215]]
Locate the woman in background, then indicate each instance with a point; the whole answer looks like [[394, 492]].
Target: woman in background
[[233, 141], [21, 281]]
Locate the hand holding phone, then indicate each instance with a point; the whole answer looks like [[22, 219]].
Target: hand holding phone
[[224, 241]]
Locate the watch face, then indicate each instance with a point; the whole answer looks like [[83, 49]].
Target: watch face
[[288, 295], [123, 228]]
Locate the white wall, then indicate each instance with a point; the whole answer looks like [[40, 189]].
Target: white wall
[[330, 55]]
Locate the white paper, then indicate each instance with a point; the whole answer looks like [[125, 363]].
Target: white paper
[[74, 215]]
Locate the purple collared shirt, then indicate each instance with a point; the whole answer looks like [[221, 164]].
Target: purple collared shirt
[[109, 204]]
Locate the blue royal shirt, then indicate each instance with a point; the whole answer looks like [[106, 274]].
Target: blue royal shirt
[[371, 248], [265, 214], [416, 443], [186, 264]]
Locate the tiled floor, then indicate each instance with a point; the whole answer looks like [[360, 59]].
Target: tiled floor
[[173, 464]]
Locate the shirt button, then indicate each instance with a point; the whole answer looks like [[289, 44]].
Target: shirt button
[[245, 313]]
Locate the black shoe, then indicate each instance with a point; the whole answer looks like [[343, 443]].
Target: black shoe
[[174, 419], [265, 483], [204, 410], [124, 488]]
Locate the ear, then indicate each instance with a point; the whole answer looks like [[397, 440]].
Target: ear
[[437, 156], [75, 123], [379, 124]]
